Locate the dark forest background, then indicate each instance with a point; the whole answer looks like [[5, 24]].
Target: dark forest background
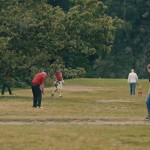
[[131, 48]]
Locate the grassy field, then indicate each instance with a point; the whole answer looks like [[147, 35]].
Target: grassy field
[[94, 114]]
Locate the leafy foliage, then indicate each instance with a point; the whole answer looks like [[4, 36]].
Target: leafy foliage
[[131, 46], [34, 35]]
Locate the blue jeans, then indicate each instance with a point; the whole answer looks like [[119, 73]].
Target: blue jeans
[[132, 88], [148, 103]]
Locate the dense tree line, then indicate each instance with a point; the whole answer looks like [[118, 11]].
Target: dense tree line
[[132, 44], [35, 35], [131, 48]]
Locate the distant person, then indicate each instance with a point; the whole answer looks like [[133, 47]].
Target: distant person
[[38, 88], [148, 97], [5, 81], [58, 83], [132, 80]]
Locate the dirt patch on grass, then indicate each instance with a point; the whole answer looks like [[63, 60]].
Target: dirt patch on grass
[[118, 101], [76, 122], [79, 88]]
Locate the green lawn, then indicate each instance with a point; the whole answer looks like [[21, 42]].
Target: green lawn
[[83, 100]]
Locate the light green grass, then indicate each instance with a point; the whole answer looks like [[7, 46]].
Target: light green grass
[[81, 106]]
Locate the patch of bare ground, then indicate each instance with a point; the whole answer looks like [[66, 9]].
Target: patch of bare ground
[[117, 101], [80, 88], [76, 122]]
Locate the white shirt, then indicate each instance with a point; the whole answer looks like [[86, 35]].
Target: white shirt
[[132, 78]]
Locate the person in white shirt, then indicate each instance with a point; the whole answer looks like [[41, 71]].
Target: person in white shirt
[[132, 80]]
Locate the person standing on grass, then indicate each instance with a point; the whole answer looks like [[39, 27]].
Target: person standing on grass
[[38, 88], [148, 97], [5, 81], [58, 83], [132, 80]]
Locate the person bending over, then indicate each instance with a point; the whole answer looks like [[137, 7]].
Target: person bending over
[[38, 88]]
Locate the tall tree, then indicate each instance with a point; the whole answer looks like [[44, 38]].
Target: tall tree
[[90, 30], [35, 35]]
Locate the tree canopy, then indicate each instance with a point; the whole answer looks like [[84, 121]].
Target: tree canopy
[[35, 35], [131, 47]]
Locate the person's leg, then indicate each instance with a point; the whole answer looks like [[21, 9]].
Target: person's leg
[[60, 93], [133, 90], [3, 89], [39, 96], [130, 88], [55, 90], [148, 104], [9, 90], [52, 94], [34, 96], [56, 86], [60, 88]]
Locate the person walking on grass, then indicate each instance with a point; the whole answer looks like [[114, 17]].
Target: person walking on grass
[[58, 83], [132, 80], [38, 88], [148, 97], [5, 81]]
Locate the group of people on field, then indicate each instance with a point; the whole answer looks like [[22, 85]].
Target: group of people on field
[[37, 86]]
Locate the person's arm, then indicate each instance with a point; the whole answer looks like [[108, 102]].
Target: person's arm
[[129, 79], [63, 80], [42, 88], [55, 77]]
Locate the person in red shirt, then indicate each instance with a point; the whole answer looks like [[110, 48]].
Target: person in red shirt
[[38, 88], [58, 82]]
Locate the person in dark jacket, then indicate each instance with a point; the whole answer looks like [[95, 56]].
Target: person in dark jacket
[[5, 81]]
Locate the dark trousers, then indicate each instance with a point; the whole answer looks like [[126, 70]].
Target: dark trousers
[[3, 88], [132, 88], [37, 96]]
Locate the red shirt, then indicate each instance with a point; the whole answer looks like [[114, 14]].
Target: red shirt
[[58, 75], [39, 79]]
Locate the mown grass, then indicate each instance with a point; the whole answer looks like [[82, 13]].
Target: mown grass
[[77, 105], [74, 137]]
